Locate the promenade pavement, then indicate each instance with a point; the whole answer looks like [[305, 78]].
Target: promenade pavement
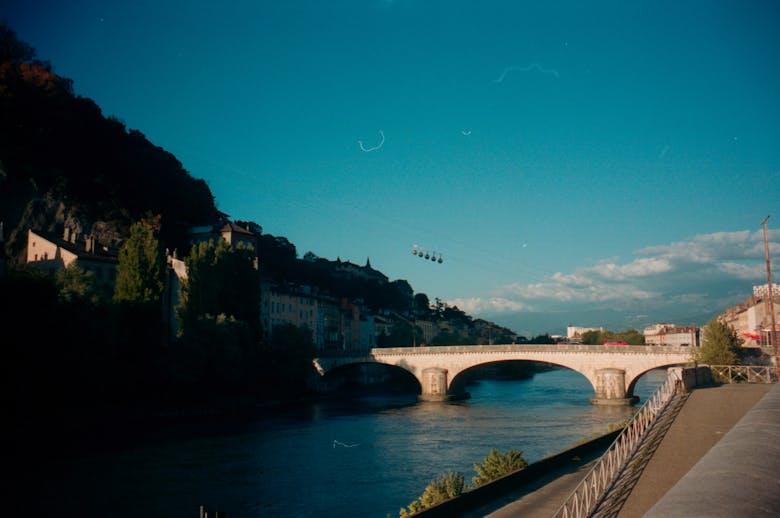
[[706, 415]]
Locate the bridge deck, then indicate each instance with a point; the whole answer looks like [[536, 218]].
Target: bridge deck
[[510, 348]]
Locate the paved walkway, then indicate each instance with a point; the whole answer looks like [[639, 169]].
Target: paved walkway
[[706, 415], [704, 419]]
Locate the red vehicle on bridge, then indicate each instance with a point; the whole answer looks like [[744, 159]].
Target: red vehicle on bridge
[[615, 343]]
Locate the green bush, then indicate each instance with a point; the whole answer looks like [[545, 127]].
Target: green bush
[[438, 490], [452, 484], [497, 464]]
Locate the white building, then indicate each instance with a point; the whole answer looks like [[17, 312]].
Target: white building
[[50, 253], [672, 334]]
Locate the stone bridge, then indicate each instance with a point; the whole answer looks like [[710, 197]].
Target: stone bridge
[[612, 371]]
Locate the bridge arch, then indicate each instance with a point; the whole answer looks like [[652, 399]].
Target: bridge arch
[[459, 381], [353, 374]]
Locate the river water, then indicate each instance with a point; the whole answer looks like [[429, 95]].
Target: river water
[[367, 456]]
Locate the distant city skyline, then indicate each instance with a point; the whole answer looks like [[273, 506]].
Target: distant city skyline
[[601, 164]]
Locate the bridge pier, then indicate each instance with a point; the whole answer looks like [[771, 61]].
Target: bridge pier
[[434, 386], [611, 388]]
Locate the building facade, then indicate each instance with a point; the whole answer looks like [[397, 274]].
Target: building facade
[[672, 334], [50, 253], [336, 325], [752, 319]]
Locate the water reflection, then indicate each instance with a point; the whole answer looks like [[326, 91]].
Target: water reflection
[[364, 456]]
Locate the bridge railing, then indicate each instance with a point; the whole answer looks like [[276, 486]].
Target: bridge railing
[[598, 349], [744, 373], [588, 494]]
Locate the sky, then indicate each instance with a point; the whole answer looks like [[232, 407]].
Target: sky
[[572, 163]]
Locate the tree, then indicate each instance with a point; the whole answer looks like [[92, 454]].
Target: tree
[[543, 339], [630, 336], [139, 277], [445, 337], [720, 344], [496, 465], [76, 284], [12, 49], [443, 488], [221, 279], [287, 361], [421, 303], [402, 334], [213, 355]]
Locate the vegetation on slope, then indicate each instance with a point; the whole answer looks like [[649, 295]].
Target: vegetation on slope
[[62, 161]]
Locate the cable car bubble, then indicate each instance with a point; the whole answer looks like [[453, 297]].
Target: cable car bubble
[[422, 253]]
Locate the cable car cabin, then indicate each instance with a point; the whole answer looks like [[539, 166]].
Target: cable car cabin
[[615, 343]]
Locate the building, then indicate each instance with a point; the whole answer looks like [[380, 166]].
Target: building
[[50, 253], [672, 334], [231, 233], [336, 325], [574, 333], [282, 305], [429, 330], [751, 319]]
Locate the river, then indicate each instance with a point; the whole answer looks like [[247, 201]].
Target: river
[[366, 456]]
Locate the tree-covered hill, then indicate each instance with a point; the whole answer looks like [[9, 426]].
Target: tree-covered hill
[[63, 162]]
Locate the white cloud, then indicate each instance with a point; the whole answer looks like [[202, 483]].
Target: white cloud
[[743, 271], [475, 305], [641, 267], [685, 277]]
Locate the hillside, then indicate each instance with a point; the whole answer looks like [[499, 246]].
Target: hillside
[[63, 163]]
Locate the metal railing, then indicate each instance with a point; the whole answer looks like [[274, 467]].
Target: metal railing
[[589, 493], [744, 373]]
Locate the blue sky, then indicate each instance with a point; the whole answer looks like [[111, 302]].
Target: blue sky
[[604, 163]]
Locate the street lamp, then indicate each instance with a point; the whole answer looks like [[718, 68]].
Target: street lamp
[[771, 305]]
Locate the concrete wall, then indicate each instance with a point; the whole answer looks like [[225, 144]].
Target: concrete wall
[[693, 377], [739, 476]]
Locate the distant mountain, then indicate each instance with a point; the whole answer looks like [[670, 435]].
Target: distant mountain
[[62, 163]]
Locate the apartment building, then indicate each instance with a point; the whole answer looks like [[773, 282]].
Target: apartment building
[[752, 319], [336, 325], [672, 334]]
